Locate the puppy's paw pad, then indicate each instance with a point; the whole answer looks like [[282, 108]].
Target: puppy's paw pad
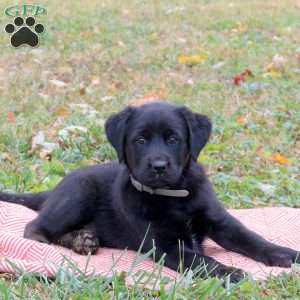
[[280, 257], [85, 242]]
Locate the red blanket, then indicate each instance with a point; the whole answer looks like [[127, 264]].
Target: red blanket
[[279, 225]]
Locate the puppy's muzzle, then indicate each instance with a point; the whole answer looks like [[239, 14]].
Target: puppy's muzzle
[[159, 166]]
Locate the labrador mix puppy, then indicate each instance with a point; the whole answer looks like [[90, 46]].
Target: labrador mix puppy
[[157, 195]]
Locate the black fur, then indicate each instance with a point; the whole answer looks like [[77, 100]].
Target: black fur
[[158, 144]]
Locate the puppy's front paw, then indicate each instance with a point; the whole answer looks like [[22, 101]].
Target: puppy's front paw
[[280, 257], [222, 271], [237, 275], [85, 242]]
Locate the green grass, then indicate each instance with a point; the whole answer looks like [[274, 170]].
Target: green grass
[[109, 52]]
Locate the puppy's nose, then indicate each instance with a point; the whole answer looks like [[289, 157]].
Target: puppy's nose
[[159, 165]]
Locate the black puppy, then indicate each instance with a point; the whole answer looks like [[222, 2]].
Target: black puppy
[[157, 191]]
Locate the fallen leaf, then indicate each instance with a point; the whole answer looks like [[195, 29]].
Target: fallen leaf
[[40, 140], [191, 60], [7, 157], [50, 147], [82, 91], [248, 73], [241, 120], [95, 81], [242, 77], [84, 108], [63, 112], [72, 130], [11, 118], [238, 79], [107, 98], [121, 44], [39, 144], [45, 154], [280, 159], [181, 40], [276, 67], [240, 28], [148, 98], [190, 81], [279, 62], [270, 67], [218, 65], [57, 83], [37, 140], [273, 74], [267, 188]]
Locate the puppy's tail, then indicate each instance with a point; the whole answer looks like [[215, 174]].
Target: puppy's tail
[[32, 201]]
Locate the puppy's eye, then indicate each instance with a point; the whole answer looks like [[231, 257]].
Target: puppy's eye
[[141, 140], [172, 140]]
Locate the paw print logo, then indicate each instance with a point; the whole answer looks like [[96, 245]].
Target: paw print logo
[[24, 34]]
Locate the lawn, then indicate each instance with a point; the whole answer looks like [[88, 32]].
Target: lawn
[[236, 61]]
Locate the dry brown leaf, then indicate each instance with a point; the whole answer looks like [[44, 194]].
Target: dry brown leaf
[[39, 144], [148, 98], [241, 120], [11, 118], [63, 112], [7, 157], [280, 159], [72, 130], [276, 67], [45, 154], [82, 91]]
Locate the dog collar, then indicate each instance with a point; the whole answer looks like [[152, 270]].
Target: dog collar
[[163, 192]]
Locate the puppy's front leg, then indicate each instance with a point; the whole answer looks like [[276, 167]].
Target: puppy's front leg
[[233, 235]]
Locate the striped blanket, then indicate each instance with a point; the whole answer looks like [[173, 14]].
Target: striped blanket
[[279, 225]]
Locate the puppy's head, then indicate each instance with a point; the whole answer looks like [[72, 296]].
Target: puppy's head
[[157, 140]]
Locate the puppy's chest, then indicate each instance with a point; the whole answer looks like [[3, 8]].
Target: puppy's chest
[[162, 210]]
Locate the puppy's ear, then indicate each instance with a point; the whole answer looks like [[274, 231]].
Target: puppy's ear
[[199, 130], [115, 128]]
